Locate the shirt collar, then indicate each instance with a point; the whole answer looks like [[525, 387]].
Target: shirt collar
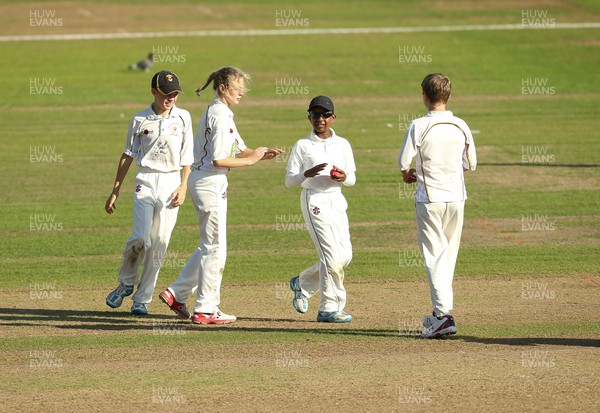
[[316, 139], [218, 101], [439, 113], [151, 115]]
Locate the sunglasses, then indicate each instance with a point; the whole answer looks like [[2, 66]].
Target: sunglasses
[[317, 115]]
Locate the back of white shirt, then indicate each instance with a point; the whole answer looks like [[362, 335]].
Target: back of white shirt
[[161, 144], [443, 146]]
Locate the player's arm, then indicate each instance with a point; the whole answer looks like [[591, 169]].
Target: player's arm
[[178, 196], [346, 177], [469, 155], [187, 158], [407, 153], [245, 158], [293, 179], [269, 154], [122, 169]]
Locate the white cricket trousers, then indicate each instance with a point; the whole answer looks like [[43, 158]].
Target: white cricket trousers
[[204, 269], [325, 216], [439, 227], [153, 221]]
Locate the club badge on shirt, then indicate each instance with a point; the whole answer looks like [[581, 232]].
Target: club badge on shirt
[[234, 149]]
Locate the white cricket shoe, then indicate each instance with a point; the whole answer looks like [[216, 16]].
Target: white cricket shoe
[[334, 317], [139, 308], [436, 327], [217, 317], [299, 301], [116, 296]]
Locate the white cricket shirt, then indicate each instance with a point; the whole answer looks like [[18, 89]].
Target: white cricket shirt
[[216, 138], [311, 151], [443, 145], [161, 144]]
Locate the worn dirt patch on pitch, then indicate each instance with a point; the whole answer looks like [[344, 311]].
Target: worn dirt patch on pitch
[[521, 345]]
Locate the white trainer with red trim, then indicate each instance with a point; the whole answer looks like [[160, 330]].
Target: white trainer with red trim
[[217, 317], [438, 326]]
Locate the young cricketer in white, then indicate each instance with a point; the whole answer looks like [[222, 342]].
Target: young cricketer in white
[[443, 147], [218, 147], [322, 163], [160, 138]]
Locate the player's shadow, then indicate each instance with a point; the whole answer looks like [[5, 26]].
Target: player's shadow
[[122, 321], [552, 165], [533, 341], [119, 320], [33, 317]]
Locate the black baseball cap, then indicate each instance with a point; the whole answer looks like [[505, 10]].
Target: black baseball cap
[[166, 82], [321, 101]]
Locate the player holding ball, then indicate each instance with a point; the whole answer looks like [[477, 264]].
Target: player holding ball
[[322, 163]]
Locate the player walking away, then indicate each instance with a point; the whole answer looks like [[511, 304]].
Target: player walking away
[[160, 139], [444, 148], [322, 163], [217, 147]]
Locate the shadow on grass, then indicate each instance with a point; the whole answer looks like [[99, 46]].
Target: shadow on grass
[[124, 321], [532, 341], [36, 314], [554, 165]]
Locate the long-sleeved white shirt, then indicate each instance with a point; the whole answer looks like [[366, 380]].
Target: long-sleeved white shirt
[[311, 151], [443, 146], [161, 144]]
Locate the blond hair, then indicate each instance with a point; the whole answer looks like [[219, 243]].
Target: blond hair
[[437, 87], [224, 76]]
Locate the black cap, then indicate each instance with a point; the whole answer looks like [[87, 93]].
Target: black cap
[[166, 82], [321, 101]]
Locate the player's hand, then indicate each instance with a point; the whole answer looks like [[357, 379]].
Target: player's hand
[[110, 206], [271, 153], [258, 154], [337, 174], [315, 170], [410, 176], [178, 197]]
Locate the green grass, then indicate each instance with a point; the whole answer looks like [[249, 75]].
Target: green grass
[[86, 126]]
